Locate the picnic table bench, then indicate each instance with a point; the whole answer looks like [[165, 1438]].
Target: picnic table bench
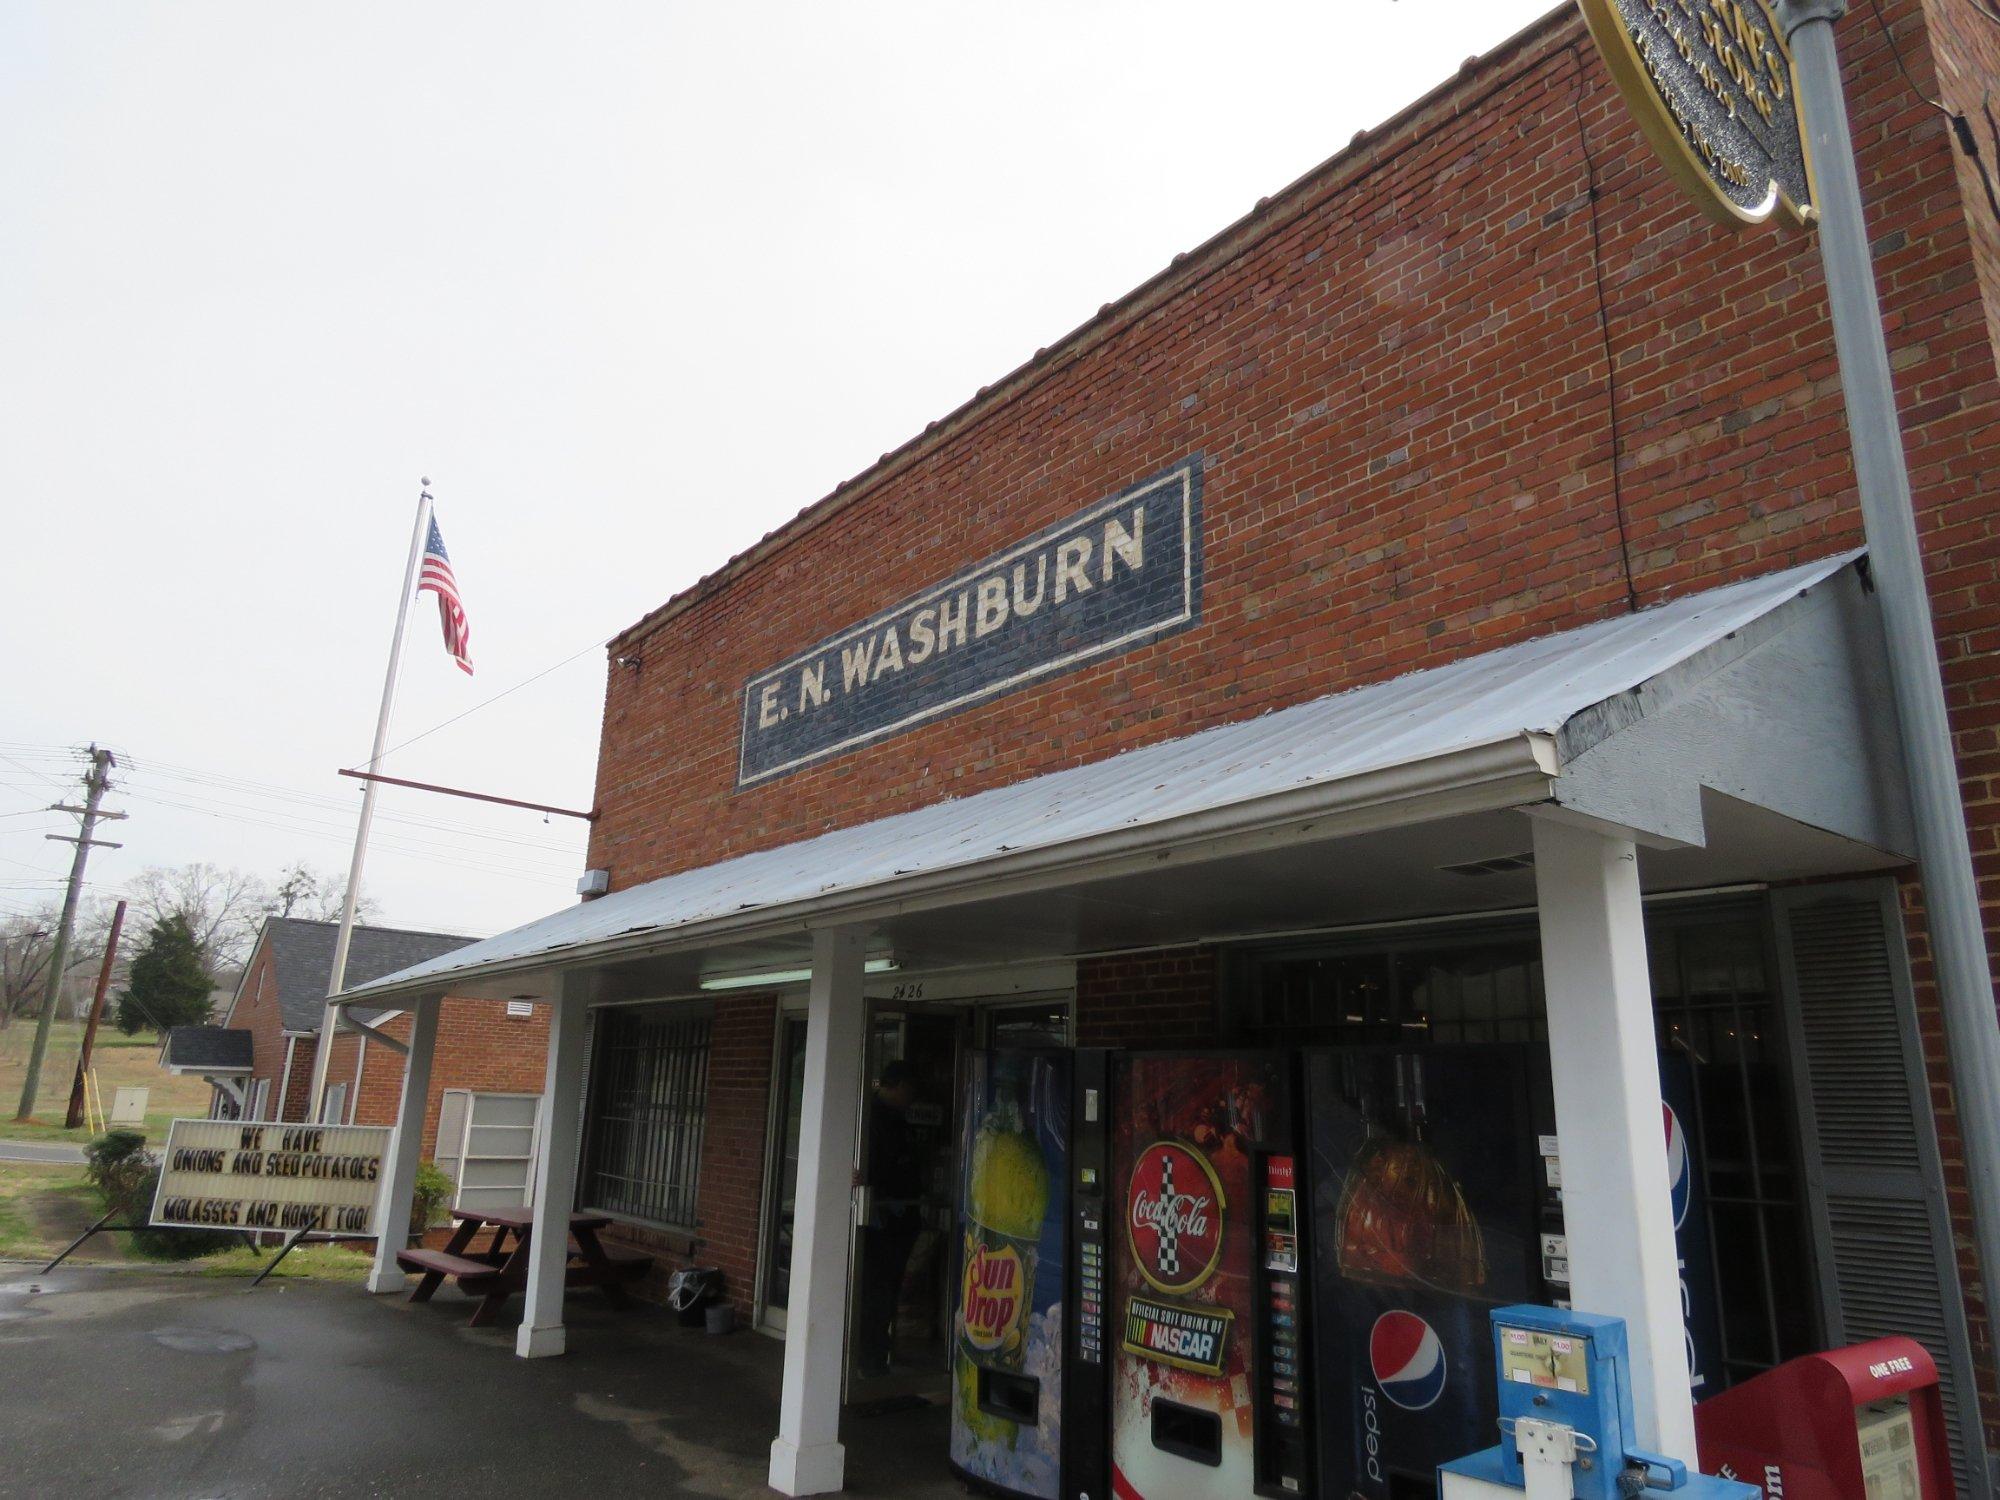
[[498, 1272]]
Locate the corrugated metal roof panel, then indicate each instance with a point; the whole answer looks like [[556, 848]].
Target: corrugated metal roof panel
[[1530, 688]]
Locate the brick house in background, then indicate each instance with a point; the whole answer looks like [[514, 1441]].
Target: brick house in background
[[259, 1058]]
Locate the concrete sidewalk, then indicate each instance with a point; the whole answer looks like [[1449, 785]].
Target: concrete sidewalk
[[154, 1384]]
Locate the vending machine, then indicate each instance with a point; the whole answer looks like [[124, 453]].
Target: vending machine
[[1424, 1217], [1028, 1366], [1209, 1382]]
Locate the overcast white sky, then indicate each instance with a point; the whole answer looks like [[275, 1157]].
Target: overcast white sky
[[632, 283]]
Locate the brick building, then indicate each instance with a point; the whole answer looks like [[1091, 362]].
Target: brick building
[[259, 1059], [1282, 659]]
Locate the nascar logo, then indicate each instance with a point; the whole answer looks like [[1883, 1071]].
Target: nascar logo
[[1407, 1359]]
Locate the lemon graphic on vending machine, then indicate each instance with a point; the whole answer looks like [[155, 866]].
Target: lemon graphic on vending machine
[[1006, 1200]]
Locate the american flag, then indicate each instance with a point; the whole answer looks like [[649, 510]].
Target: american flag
[[437, 577]]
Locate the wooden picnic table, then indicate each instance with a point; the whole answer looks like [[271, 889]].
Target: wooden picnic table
[[497, 1273]]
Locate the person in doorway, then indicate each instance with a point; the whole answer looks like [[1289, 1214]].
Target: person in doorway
[[895, 1178]]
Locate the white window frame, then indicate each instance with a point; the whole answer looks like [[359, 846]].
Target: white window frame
[[460, 1154]]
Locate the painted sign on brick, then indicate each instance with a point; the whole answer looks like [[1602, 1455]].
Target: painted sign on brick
[[1124, 570]]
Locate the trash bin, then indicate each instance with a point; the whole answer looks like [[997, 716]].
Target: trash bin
[[690, 1292]]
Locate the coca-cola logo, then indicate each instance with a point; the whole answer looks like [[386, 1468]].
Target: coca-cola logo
[[991, 1295], [1173, 1218]]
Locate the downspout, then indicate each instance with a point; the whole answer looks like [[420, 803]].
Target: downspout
[[285, 1078]]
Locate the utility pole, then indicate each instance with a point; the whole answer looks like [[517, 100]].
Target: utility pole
[[75, 1116], [96, 783]]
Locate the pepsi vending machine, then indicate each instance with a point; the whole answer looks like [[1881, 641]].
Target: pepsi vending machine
[[1028, 1362], [1424, 1218], [1209, 1390]]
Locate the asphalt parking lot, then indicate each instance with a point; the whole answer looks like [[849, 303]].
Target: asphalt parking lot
[[141, 1383]]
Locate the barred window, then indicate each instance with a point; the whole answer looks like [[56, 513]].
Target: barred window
[[644, 1114]]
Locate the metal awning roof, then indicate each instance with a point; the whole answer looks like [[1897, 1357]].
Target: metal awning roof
[[1489, 731]]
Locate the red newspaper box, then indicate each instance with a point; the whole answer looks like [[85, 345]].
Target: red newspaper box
[[1862, 1423]]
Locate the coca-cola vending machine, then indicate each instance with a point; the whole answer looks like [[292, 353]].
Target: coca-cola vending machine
[[1424, 1217], [1028, 1361], [1209, 1387]]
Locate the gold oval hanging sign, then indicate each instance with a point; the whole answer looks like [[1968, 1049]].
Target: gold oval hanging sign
[[1710, 82]]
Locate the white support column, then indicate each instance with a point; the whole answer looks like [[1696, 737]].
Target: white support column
[[541, 1332], [1604, 1057], [806, 1457], [406, 1146]]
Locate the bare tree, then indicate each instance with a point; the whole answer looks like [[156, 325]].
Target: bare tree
[[222, 907], [27, 943], [316, 895]]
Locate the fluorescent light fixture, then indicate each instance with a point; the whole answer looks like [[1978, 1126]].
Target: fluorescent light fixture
[[786, 976]]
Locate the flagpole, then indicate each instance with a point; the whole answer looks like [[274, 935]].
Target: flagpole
[[330, 1018]]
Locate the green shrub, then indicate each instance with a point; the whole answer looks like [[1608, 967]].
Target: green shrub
[[126, 1176], [431, 1198]]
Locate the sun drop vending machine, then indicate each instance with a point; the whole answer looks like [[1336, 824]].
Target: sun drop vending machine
[[1209, 1390], [1028, 1365], [1425, 1216]]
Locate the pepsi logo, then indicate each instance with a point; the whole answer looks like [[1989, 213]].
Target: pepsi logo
[[1408, 1360], [1680, 1173]]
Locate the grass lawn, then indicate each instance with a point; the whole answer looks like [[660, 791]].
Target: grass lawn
[[118, 1060], [43, 1206]]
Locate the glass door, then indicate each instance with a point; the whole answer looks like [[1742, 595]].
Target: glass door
[[904, 1255], [784, 1178]]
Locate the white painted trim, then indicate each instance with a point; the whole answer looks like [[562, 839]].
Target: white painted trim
[[285, 1084], [406, 1144], [1604, 1063], [806, 1456], [541, 1332]]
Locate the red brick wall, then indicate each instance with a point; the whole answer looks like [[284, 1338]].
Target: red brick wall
[[479, 1047], [256, 1011], [1164, 999], [1396, 373], [1962, 67], [732, 1156]]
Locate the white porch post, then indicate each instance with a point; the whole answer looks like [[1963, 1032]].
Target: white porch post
[[1603, 1054], [541, 1332], [806, 1457], [406, 1145]]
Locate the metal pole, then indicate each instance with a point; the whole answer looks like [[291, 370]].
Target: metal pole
[[323, 1052], [1951, 890], [75, 1116], [98, 783]]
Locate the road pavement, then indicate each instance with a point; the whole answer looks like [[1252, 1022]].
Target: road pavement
[[61, 1153], [173, 1386]]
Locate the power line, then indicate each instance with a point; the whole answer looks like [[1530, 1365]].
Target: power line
[[504, 692]]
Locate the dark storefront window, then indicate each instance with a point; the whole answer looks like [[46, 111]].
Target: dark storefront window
[[1715, 1000], [647, 1106], [1715, 1003]]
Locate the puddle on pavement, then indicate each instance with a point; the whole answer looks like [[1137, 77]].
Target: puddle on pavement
[[202, 1340]]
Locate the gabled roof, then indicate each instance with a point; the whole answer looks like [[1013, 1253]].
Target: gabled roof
[[207, 1049], [1521, 710], [302, 961]]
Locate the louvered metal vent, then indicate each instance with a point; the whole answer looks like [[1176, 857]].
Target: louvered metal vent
[[1884, 1240]]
